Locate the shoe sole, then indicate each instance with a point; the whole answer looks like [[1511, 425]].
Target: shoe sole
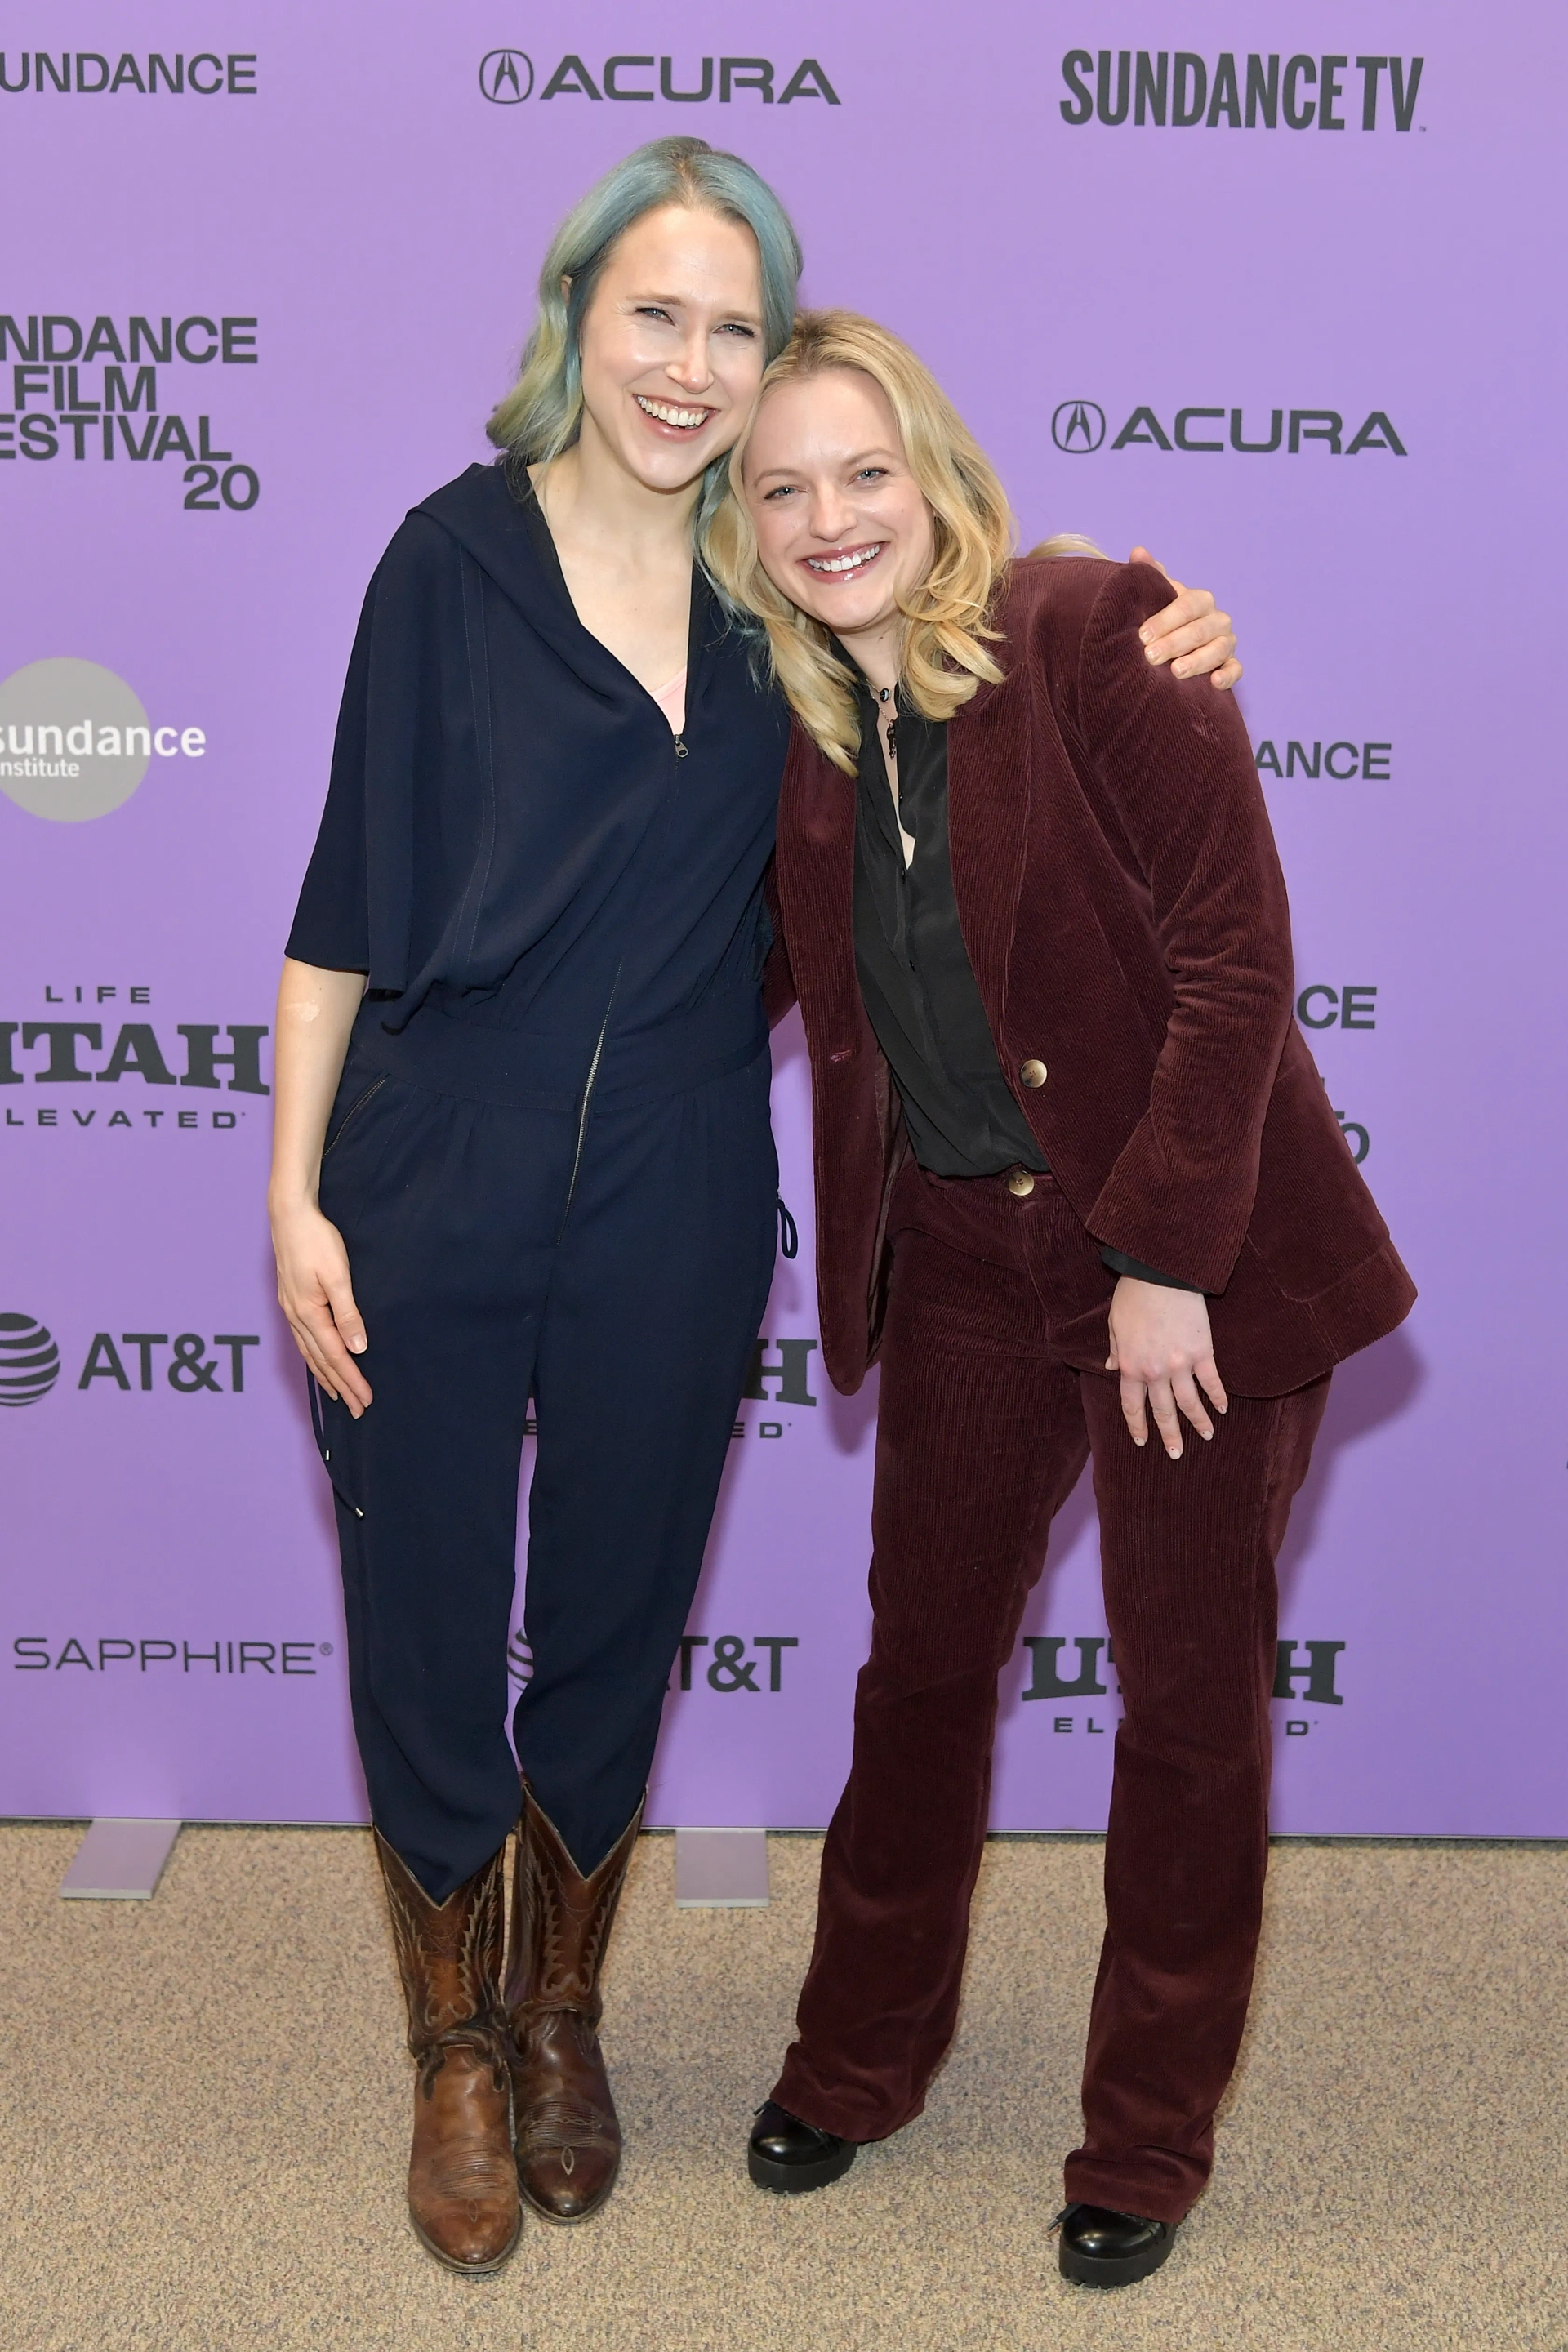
[[1113, 2270], [794, 2180]]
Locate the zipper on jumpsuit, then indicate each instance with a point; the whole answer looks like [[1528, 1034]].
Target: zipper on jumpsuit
[[588, 1100], [680, 751]]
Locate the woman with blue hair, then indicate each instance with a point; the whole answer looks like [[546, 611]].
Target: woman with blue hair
[[523, 1089]]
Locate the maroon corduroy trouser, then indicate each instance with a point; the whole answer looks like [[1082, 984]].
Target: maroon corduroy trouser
[[984, 1429]]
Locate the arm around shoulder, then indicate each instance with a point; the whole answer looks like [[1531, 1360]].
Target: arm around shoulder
[[1171, 769]]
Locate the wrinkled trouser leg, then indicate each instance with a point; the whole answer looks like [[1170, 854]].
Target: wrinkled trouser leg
[[984, 1429], [630, 1317], [654, 1302], [1188, 1551], [980, 1439]]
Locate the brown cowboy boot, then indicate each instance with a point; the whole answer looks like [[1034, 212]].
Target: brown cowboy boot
[[462, 2177], [568, 2139]]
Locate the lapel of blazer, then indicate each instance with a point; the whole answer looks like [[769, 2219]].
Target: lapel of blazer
[[988, 785]]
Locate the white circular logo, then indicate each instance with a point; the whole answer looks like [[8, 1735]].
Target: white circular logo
[[74, 739]]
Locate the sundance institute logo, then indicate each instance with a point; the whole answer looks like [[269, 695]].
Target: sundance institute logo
[[75, 740], [29, 1360]]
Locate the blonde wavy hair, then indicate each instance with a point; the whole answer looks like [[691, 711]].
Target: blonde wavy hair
[[949, 617]]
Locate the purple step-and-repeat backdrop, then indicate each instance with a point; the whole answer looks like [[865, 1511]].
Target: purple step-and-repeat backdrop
[[267, 271]]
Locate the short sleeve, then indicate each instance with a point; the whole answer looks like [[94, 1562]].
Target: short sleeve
[[331, 922]]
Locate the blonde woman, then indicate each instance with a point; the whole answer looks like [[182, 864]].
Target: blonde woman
[[1076, 1175]]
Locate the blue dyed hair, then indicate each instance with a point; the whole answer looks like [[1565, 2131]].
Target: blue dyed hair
[[543, 413]]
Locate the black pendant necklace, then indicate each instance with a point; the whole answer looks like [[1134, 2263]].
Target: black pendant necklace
[[885, 694]]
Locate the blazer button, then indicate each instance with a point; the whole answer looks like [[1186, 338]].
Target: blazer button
[[1033, 1074], [1020, 1184]]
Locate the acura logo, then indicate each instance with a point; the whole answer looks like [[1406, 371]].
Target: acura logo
[[506, 77], [1079, 426]]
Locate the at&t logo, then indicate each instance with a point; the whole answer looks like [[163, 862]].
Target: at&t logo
[[30, 1360]]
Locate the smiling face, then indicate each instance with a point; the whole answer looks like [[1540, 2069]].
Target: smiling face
[[672, 345], [843, 528]]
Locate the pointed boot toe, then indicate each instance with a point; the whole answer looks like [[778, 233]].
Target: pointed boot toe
[[462, 2182], [568, 2136], [568, 2185], [463, 2197], [568, 2142], [566, 2176]]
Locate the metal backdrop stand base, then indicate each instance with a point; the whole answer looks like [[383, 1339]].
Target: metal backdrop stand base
[[721, 1870], [120, 1862]]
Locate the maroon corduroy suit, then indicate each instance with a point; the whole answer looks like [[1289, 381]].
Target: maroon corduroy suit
[[1124, 908]]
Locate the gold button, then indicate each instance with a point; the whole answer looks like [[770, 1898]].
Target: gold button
[[1020, 1184], [1033, 1074]]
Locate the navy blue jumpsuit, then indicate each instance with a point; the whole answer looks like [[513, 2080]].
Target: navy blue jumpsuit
[[549, 1159]]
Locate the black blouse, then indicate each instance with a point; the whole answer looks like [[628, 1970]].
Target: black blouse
[[916, 978], [919, 986]]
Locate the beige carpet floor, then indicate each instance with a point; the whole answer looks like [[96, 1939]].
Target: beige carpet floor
[[205, 2101]]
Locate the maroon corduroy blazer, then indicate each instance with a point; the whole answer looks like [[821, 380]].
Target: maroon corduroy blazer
[[1123, 907]]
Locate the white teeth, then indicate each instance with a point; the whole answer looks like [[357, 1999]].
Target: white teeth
[[668, 415], [844, 562]]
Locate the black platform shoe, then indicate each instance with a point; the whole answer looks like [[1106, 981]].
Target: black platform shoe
[[789, 2156], [1099, 2247]]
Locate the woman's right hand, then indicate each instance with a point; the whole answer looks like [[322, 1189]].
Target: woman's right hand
[[317, 1296], [316, 1009]]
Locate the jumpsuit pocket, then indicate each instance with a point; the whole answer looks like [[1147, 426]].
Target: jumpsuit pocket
[[333, 1425], [357, 1144], [358, 1104]]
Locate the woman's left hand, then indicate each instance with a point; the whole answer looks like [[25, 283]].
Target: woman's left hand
[[1190, 633], [1161, 1346]]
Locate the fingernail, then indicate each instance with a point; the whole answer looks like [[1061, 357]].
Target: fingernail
[[358, 1345], [1178, 669], [1153, 652], [1143, 636], [1206, 1434]]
